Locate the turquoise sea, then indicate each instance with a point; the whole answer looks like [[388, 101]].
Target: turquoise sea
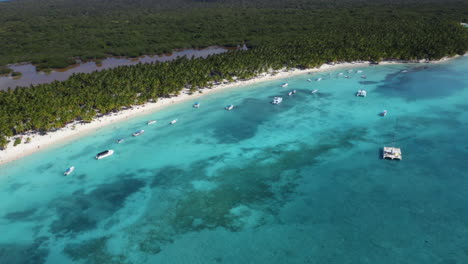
[[299, 182]]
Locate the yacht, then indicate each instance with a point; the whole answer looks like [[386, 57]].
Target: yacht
[[196, 105], [314, 91], [294, 91], [69, 171], [290, 93], [104, 154], [284, 85], [277, 100], [138, 132], [229, 107], [318, 79], [173, 121], [384, 113], [361, 93], [120, 140], [151, 122]]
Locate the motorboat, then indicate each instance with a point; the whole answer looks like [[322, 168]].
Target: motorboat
[[361, 93], [173, 121], [347, 77], [318, 79], [284, 85], [309, 80], [350, 71], [314, 91], [384, 113], [277, 100], [359, 71], [120, 140], [229, 107], [138, 132], [196, 105], [340, 73], [294, 91], [104, 154], [69, 171], [364, 76], [151, 122], [290, 93]]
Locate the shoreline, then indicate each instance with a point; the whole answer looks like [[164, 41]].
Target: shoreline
[[76, 130]]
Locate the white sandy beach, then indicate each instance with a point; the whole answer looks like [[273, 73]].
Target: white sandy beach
[[72, 131]]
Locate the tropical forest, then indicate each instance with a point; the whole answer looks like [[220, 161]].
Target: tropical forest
[[278, 34]]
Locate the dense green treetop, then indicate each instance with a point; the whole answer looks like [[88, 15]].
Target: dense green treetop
[[53, 33]]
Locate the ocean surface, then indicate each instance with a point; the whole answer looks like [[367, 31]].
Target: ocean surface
[[299, 182]]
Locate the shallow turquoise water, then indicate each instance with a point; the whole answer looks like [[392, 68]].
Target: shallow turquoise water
[[299, 182]]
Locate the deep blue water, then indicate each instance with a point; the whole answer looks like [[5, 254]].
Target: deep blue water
[[299, 182]]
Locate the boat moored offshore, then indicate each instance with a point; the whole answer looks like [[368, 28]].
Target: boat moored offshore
[[361, 93], [196, 105], [104, 154], [284, 84], [229, 107], [173, 121], [69, 171], [277, 100], [151, 122], [314, 91], [120, 140], [318, 79], [384, 113], [138, 132]]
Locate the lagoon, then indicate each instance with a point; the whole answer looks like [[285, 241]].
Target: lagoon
[[30, 75], [298, 182]]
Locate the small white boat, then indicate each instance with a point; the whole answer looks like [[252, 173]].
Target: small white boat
[[151, 122], [347, 77], [69, 171], [314, 91], [404, 71], [104, 154], [138, 132], [284, 85], [384, 113], [229, 107], [196, 105], [173, 121], [361, 93], [363, 76], [340, 73], [318, 79], [359, 71], [290, 93], [294, 91], [277, 100], [350, 71], [309, 80], [120, 140]]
